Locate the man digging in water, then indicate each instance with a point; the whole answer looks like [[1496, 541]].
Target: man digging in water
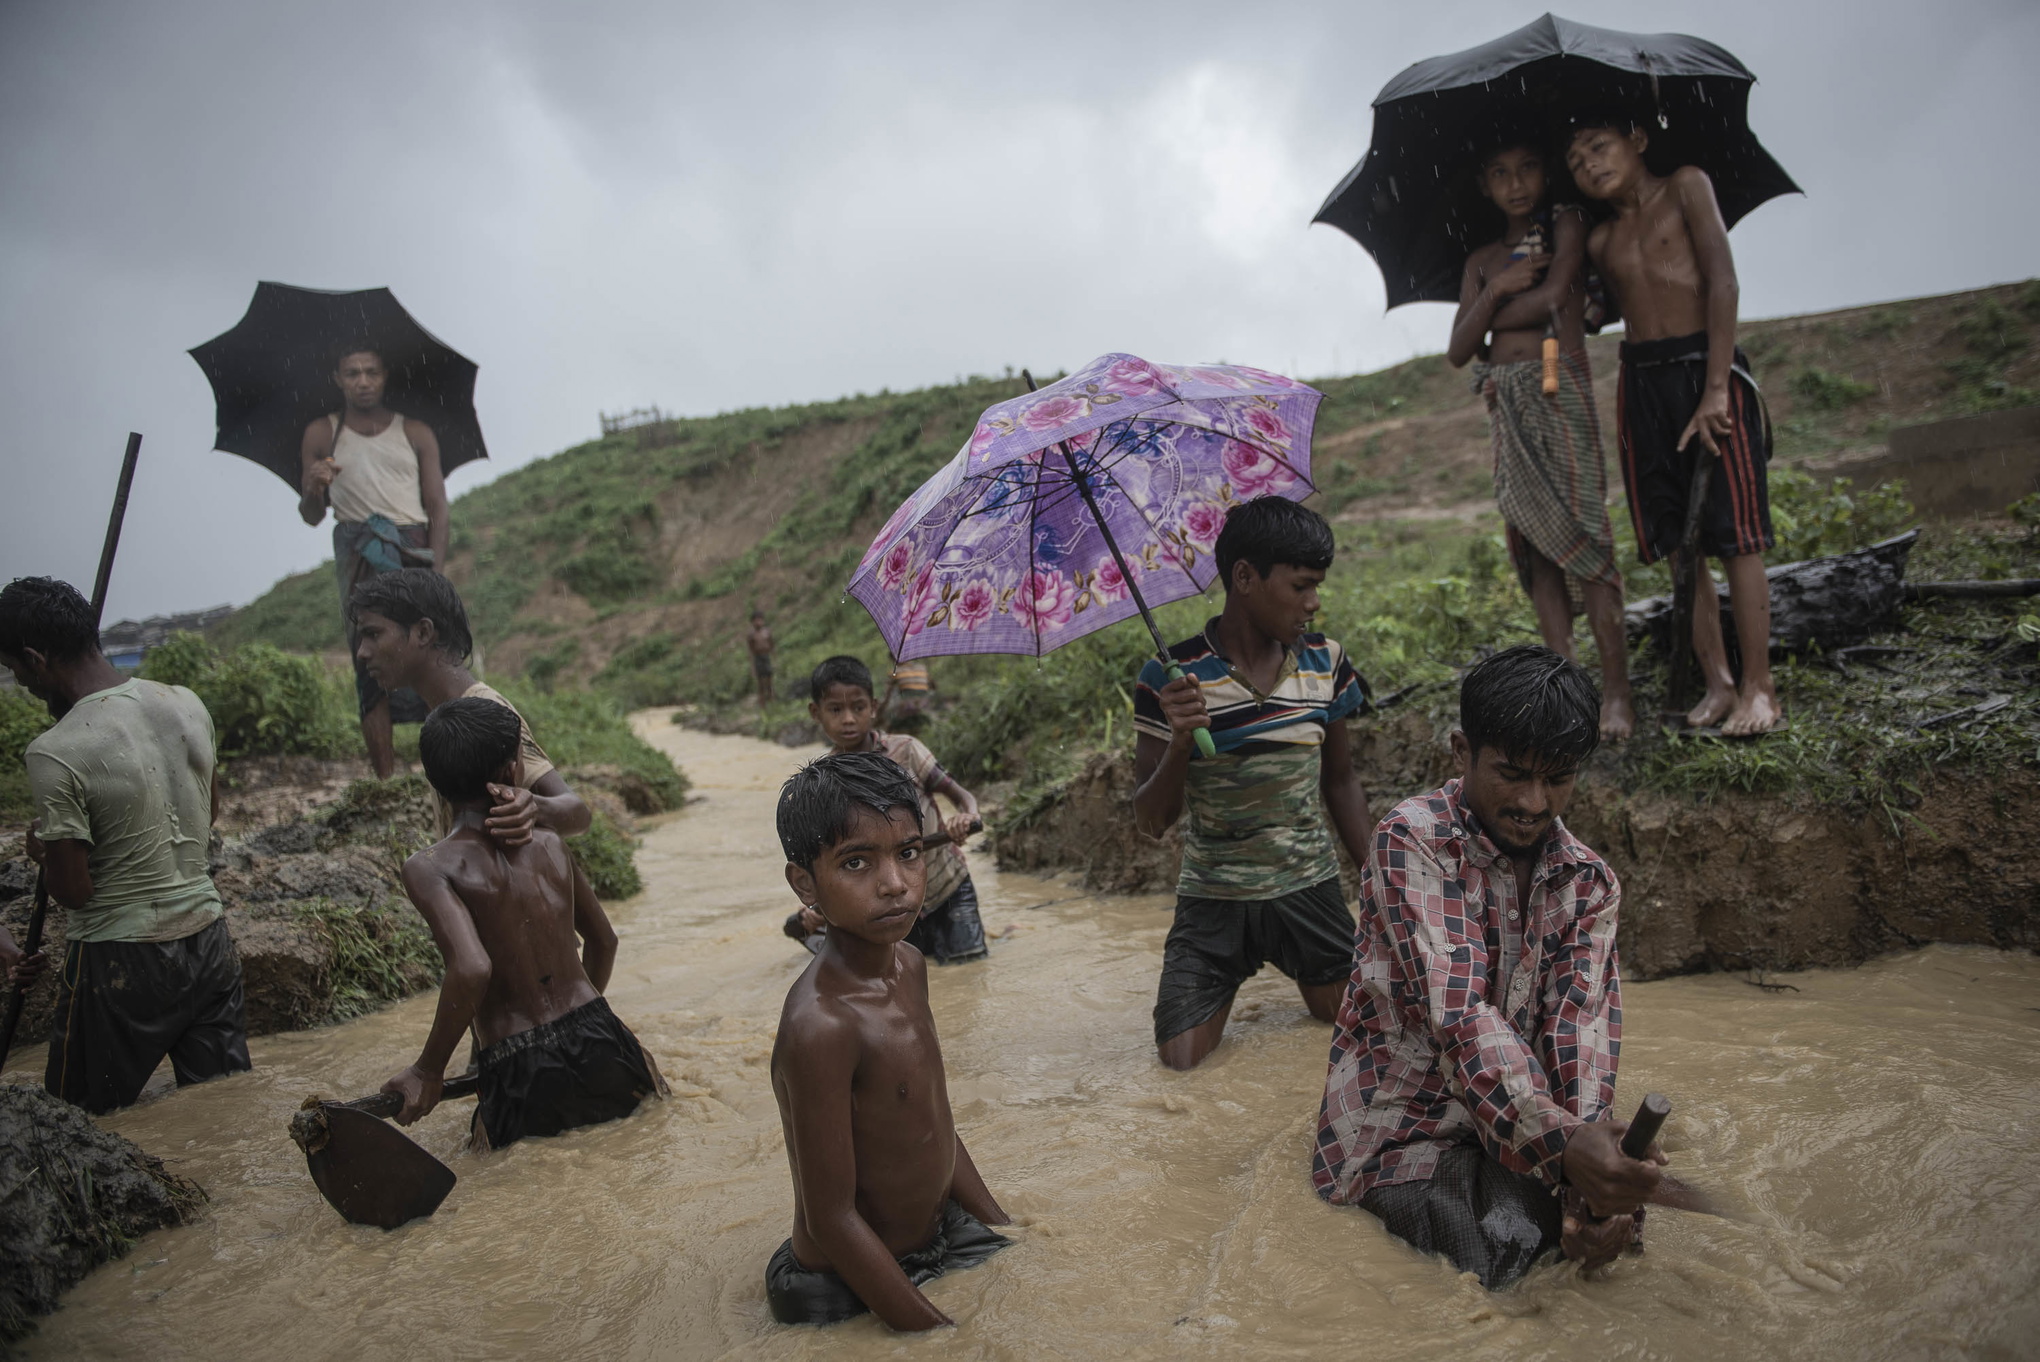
[[1686, 389], [1549, 475], [1474, 1059], [125, 795]]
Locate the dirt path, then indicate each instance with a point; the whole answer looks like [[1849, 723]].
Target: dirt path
[[1878, 1124]]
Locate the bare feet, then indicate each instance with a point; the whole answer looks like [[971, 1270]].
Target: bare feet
[[1755, 712], [1714, 706], [1618, 719]]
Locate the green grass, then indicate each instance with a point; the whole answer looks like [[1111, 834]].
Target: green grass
[[380, 953], [300, 614]]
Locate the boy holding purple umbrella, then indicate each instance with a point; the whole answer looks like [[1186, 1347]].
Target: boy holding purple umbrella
[[1260, 877]]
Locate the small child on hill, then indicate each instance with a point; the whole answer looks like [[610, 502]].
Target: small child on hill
[[552, 1054], [1686, 388], [1550, 481], [885, 1195], [950, 931]]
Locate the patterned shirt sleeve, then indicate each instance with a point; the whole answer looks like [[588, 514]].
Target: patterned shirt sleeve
[[914, 757], [1581, 1038], [1351, 696], [1444, 957], [1147, 701]]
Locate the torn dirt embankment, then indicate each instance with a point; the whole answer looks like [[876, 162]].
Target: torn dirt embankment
[[308, 859], [1753, 882]]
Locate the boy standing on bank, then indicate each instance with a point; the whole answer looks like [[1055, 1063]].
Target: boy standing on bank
[[950, 931], [506, 919], [1550, 480], [885, 1197], [1686, 390], [1260, 879]]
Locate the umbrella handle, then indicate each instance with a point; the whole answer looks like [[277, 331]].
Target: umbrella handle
[[1203, 735]]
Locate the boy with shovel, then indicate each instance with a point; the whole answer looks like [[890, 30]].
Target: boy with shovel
[[1686, 394], [552, 1055]]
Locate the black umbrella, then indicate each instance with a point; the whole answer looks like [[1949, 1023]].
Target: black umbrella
[[1412, 200], [272, 375]]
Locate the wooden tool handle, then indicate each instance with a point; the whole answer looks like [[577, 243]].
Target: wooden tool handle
[[388, 1104], [943, 839], [1649, 1120], [1550, 365]]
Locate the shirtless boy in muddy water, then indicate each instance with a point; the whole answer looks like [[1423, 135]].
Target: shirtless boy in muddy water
[[1472, 1068], [1686, 389], [1550, 478], [885, 1197], [527, 950], [1260, 880]]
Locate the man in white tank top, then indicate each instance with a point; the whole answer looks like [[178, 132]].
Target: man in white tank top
[[379, 471]]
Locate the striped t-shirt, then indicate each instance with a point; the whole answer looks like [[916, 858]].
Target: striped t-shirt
[[1257, 827]]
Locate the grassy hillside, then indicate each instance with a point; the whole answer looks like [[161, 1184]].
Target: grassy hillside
[[627, 565]]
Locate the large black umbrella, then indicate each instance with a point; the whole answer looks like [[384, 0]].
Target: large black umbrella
[[272, 375], [1412, 200]]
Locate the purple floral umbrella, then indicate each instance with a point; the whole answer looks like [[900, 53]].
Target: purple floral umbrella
[[1081, 504]]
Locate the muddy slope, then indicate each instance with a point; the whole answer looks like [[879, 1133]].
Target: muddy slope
[[1756, 883]]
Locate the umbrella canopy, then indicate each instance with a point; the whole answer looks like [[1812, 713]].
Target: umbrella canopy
[[1009, 548], [1412, 200], [272, 375]]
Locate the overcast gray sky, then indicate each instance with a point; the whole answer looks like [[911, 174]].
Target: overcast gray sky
[[707, 207]]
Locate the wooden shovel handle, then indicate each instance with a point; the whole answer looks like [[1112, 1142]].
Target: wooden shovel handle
[[943, 839], [388, 1104], [1644, 1128]]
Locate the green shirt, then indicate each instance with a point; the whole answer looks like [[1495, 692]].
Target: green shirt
[[129, 772]]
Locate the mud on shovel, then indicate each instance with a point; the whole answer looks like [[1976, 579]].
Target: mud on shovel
[[367, 1169]]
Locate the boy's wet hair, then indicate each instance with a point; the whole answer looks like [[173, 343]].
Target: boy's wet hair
[[840, 670], [1538, 709], [412, 594], [464, 744], [49, 616], [1621, 122], [816, 805], [340, 356], [1532, 140], [1270, 530]]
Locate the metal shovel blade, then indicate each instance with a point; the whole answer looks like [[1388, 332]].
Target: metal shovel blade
[[371, 1172]]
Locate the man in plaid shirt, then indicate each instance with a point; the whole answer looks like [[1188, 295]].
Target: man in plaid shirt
[[1474, 1057]]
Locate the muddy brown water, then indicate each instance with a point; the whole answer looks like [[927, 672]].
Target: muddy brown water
[[1876, 1128]]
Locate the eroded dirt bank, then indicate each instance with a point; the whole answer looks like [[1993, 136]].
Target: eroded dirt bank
[[1749, 882]]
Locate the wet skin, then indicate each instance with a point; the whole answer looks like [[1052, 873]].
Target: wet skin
[[1515, 302], [520, 930], [1516, 800], [1666, 255], [1264, 617], [857, 1071]]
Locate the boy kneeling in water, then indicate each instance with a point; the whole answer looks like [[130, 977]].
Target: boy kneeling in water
[[884, 1195], [1474, 1059], [552, 1054]]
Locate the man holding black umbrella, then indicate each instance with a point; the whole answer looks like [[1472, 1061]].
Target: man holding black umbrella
[[379, 471]]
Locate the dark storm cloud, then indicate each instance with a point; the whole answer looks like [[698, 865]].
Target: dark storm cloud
[[711, 207]]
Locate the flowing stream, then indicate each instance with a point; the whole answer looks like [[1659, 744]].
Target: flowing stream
[[1875, 1129]]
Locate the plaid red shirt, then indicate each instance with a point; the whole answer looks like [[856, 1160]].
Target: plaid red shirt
[[1423, 1056]]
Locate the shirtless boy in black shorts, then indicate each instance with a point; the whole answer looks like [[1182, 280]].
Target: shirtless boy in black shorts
[[885, 1197], [1686, 388], [552, 1054]]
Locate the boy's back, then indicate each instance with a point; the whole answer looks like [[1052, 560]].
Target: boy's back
[[509, 921], [521, 902]]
